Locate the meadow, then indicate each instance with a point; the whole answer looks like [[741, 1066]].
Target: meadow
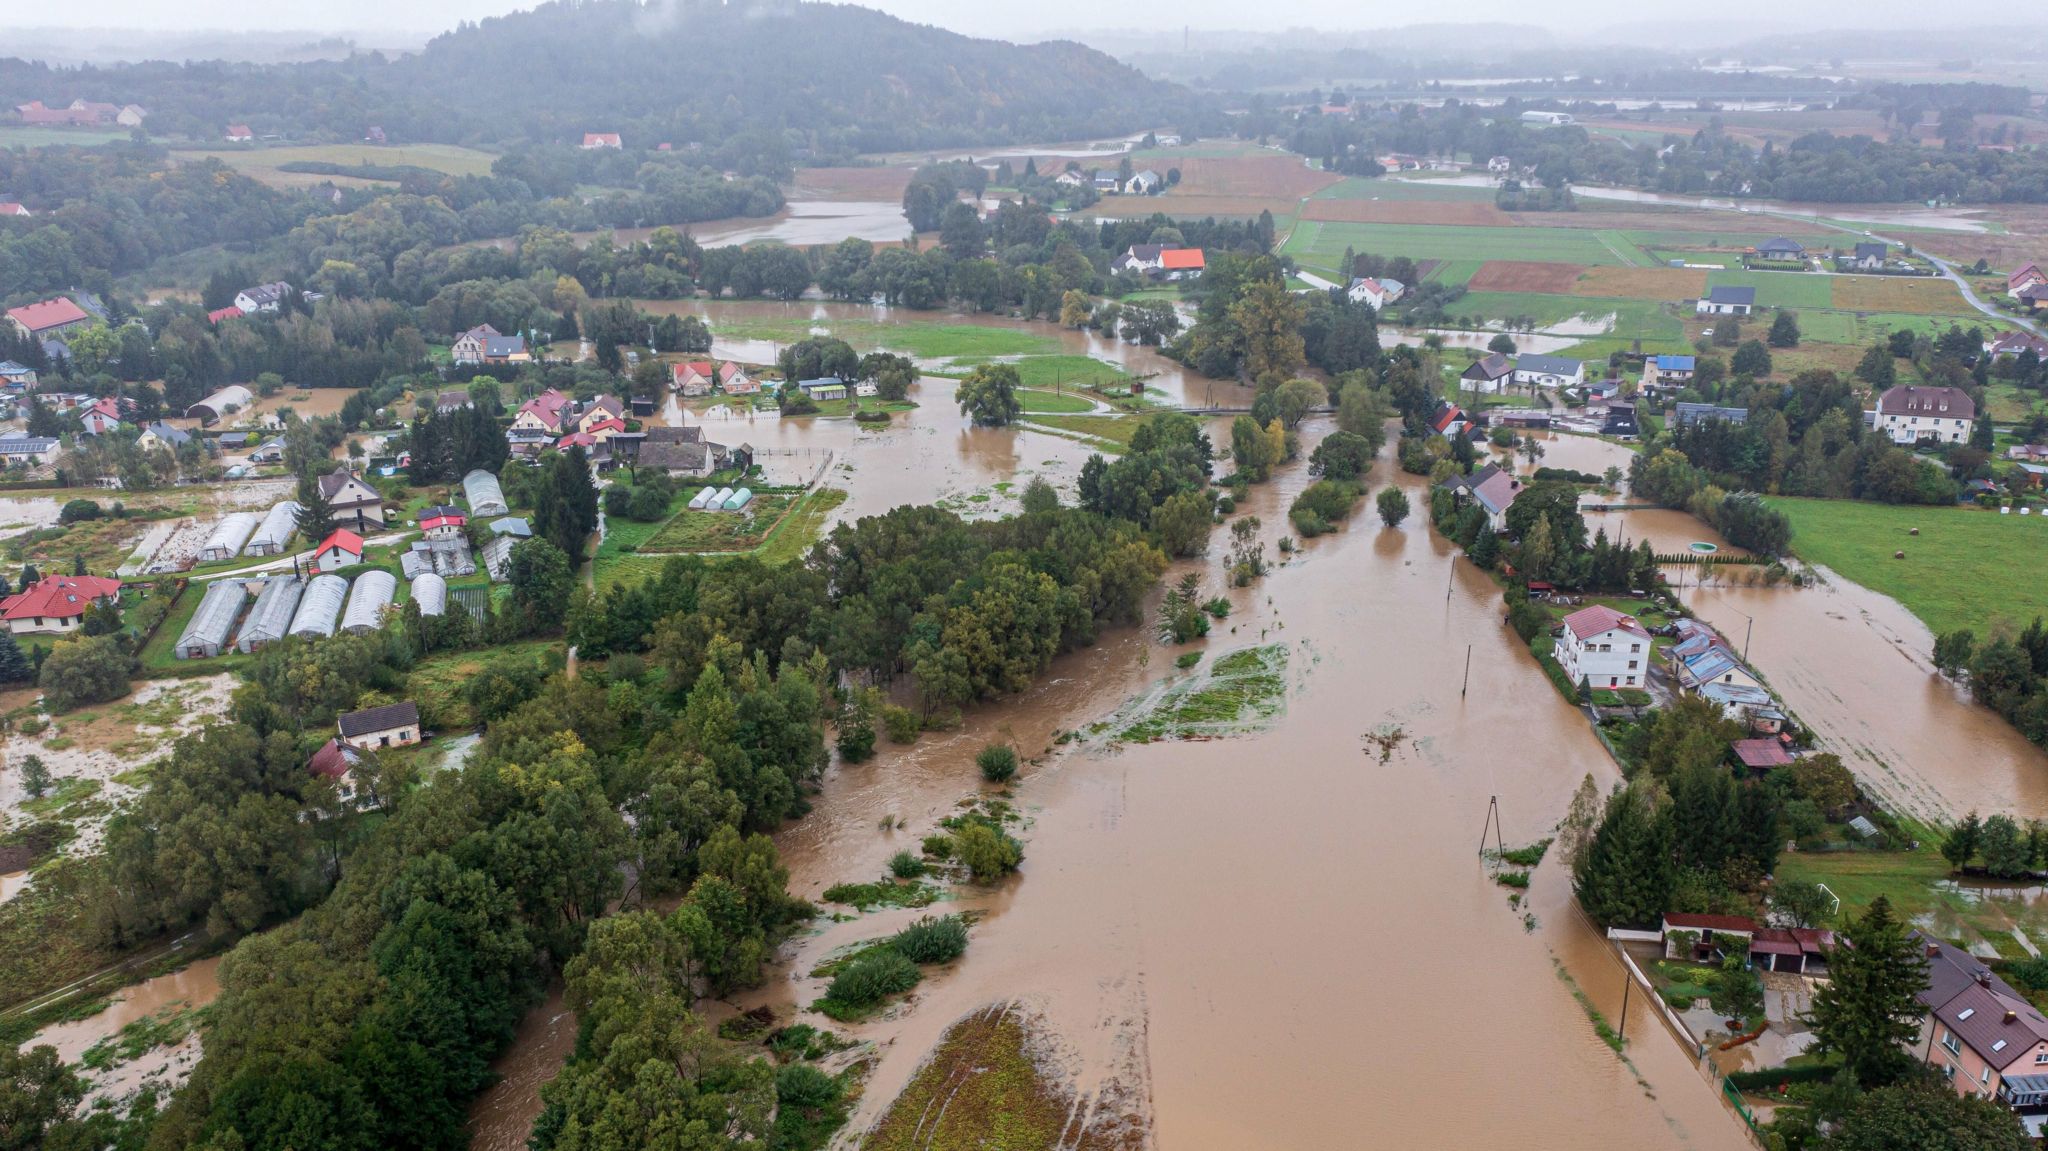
[[263, 163], [1967, 568]]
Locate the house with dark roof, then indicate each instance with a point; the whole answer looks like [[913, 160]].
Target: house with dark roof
[[1910, 413], [354, 501], [393, 725], [1536, 371], [2007, 344], [1491, 489], [1620, 421], [680, 452], [484, 344], [1688, 414], [1781, 248], [1984, 1036], [1868, 257], [263, 297], [1727, 300], [1489, 373]]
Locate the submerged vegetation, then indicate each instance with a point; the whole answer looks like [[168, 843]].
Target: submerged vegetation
[[1241, 692]]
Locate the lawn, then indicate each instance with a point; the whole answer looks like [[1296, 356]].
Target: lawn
[[928, 338], [25, 136], [1900, 294], [262, 163], [1115, 431], [1779, 289], [1966, 568], [1918, 885], [1038, 402], [159, 657], [786, 537], [1321, 244], [1362, 188]]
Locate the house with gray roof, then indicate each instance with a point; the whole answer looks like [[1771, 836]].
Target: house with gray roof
[[1727, 300], [1689, 414], [1549, 371]]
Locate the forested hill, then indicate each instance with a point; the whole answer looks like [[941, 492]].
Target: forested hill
[[824, 79], [681, 72]]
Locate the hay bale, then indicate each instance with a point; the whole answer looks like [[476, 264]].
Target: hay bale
[[1898, 555]]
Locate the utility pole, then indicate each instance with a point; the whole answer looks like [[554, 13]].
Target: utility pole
[[1492, 823], [1468, 672], [1627, 985], [1746, 628]]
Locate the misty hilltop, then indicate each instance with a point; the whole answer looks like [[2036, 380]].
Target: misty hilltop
[[830, 79]]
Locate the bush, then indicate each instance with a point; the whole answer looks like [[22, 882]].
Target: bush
[[75, 511], [904, 865], [1217, 608], [91, 670], [1321, 505], [989, 854], [901, 723], [1774, 1076], [938, 846], [1187, 659], [998, 762], [872, 978], [929, 940]]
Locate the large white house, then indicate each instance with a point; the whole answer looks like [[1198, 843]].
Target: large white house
[[1727, 300], [1910, 413], [1549, 372], [1604, 648]]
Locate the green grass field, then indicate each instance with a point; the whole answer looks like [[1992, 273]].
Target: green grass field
[[257, 161], [937, 337], [1036, 402], [1321, 244], [24, 136], [1114, 431], [1779, 289], [1967, 568]]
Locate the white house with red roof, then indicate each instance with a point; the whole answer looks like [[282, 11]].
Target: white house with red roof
[[239, 134], [11, 208], [1604, 648], [603, 409], [48, 318], [693, 377], [602, 140], [546, 412], [101, 417], [2026, 277], [735, 381], [56, 605], [342, 549], [443, 522]]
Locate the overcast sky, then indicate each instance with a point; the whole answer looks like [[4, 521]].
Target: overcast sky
[[1034, 19]]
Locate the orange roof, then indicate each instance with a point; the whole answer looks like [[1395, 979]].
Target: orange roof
[[701, 367], [48, 314], [1181, 259], [342, 538], [60, 597]]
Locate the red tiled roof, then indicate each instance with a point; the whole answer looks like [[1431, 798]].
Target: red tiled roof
[[1181, 259], [447, 519], [342, 538], [590, 138], [1730, 923], [2029, 272], [58, 597], [1588, 622], [48, 314], [333, 760], [701, 367], [230, 312], [11, 208], [1761, 753], [576, 440]]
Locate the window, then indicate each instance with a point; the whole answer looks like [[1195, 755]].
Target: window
[[1950, 1042], [1984, 1076], [1632, 666], [1635, 647], [1997, 1047], [2041, 1056], [1965, 1013], [383, 741], [1631, 679]]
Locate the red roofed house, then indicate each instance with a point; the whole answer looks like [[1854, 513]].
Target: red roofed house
[[342, 549], [2027, 275], [56, 604], [1182, 263], [603, 430], [443, 522], [49, 318], [582, 440], [220, 315], [337, 761], [692, 377], [10, 208], [1604, 648], [1701, 930], [1985, 1037], [735, 381], [103, 416], [1761, 754], [240, 134], [602, 140], [603, 409], [543, 413]]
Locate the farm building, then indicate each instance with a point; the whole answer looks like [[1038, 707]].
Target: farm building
[[485, 497], [233, 530], [209, 410], [208, 631], [276, 530], [738, 499], [319, 606], [373, 592], [271, 619], [430, 592]]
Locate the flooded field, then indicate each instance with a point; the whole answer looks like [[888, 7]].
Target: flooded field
[[160, 998]]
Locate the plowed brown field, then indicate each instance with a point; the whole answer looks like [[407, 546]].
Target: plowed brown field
[[1525, 276]]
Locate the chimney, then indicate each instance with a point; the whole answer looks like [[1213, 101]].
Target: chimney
[[1984, 977], [2012, 1017], [1933, 952]]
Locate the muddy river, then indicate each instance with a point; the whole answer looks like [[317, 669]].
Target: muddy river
[[1209, 926]]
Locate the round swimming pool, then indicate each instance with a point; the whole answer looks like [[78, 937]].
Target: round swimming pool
[[1704, 548]]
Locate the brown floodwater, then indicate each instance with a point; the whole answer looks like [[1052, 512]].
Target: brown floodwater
[[190, 987]]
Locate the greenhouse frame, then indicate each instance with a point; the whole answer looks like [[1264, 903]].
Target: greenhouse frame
[[233, 530], [208, 632], [319, 606], [373, 592], [271, 619], [485, 497], [279, 525]]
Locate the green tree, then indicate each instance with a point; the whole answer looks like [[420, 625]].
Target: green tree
[[1626, 877], [1868, 1012], [1341, 456], [988, 852], [2005, 849], [35, 776], [1952, 650], [1297, 398], [38, 1095], [87, 670], [1959, 846], [1927, 1115], [1393, 506], [14, 665], [315, 519], [541, 581], [1876, 367], [1182, 523], [1751, 359], [989, 395], [1502, 343], [1040, 497], [1784, 330]]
